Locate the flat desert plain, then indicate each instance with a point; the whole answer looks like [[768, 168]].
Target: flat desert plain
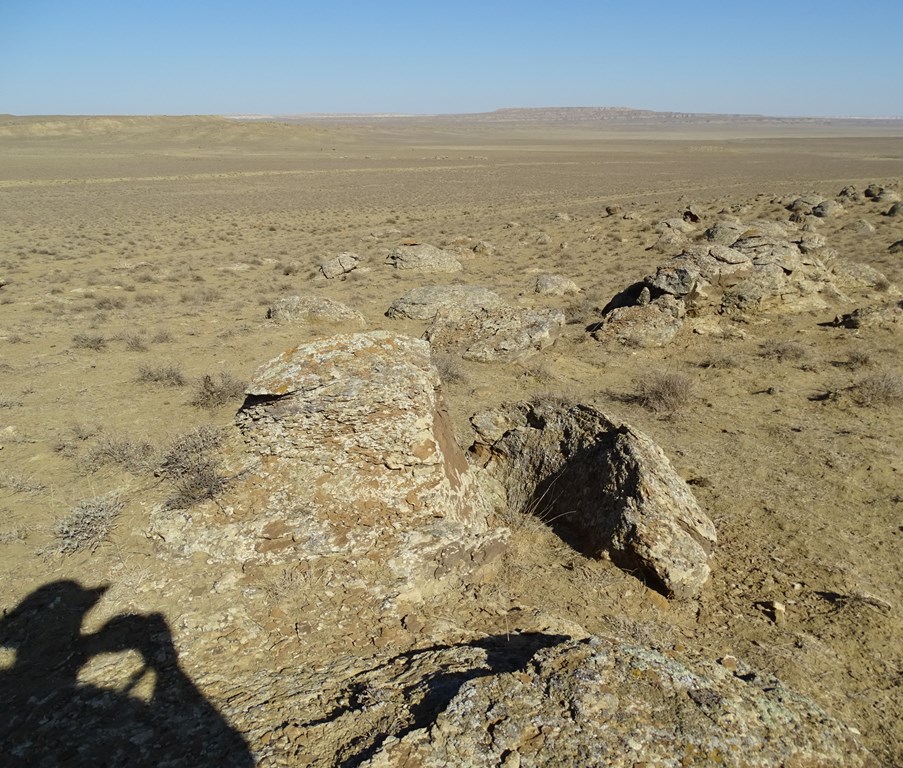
[[139, 258]]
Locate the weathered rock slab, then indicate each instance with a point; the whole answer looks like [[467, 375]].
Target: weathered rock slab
[[352, 466], [299, 309], [423, 258], [652, 324], [425, 302], [555, 285], [496, 334], [599, 701]]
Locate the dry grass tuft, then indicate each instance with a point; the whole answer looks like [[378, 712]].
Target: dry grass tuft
[[450, 368], [89, 341], [133, 455], [167, 375], [213, 392], [664, 392]]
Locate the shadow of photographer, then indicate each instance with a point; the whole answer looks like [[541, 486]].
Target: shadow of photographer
[[49, 718]]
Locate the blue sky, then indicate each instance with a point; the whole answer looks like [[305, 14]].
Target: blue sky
[[281, 57]]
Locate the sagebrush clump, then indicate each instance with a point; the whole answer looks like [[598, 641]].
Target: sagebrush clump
[[88, 525], [664, 392]]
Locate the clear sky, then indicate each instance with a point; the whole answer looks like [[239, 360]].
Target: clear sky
[[787, 57]]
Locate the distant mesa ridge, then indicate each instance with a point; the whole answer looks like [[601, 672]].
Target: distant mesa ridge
[[563, 115]]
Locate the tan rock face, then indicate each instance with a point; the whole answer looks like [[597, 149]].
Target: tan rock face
[[604, 486]]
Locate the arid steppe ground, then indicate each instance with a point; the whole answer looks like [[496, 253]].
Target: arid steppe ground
[[139, 255]]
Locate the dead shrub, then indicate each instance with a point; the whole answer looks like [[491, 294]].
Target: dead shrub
[[859, 358], [721, 360], [664, 392], [89, 341], [779, 349], [212, 392], [880, 388], [450, 368], [193, 467], [133, 455], [135, 342]]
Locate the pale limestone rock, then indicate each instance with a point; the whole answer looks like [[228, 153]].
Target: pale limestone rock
[[352, 465], [829, 209], [650, 325], [725, 232]]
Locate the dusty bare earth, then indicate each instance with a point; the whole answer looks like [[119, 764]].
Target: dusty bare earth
[[139, 255]]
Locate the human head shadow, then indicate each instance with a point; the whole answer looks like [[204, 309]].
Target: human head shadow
[[49, 718]]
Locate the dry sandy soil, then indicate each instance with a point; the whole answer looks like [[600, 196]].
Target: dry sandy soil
[[139, 255]]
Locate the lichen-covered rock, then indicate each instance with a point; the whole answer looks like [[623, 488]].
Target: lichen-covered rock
[[342, 264], [353, 464], [603, 486], [503, 333], [653, 324], [806, 204], [600, 701], [295, 309], [423, 258], [425, 302]]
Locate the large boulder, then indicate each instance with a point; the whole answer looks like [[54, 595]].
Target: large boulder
[[495, 334], [555, 285], [605, 487], [425, 302], [352, 463], [602, 701], [645, 324], [423, 258], [829, 209]]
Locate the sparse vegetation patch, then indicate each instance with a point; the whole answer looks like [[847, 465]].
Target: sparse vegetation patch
[[88, 525]]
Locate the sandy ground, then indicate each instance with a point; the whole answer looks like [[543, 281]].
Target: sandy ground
[[131, 247]]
